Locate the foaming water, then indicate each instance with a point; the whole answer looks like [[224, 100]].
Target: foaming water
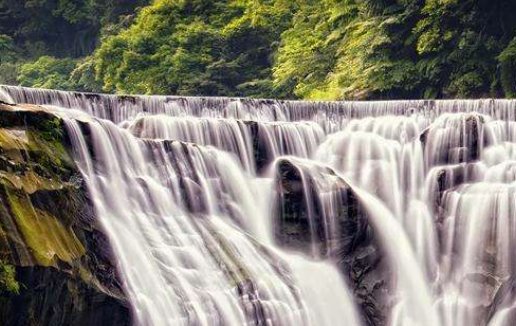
[[184, 227], [332, 116], [230, 211], [5, 97], [449, 181], [414, 306], [231, 136], [245, 139]]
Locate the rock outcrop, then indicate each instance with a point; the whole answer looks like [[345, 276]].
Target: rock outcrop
[[318, 213], [48, 231]]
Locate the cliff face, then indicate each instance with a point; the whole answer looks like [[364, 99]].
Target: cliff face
[[55, 265]]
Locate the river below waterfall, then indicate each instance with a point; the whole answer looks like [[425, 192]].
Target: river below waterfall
[[226, 211]]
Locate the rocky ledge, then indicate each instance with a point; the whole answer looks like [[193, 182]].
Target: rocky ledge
[[55, 265]]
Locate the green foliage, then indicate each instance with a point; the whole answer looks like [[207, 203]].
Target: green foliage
[[308, 51], [315, 49], [398, 49], [8, 283], [196, 47], [9, 73], [65, 74], [8, 57], [48, 72], [348, 49], [51, 130], [507, 61], [84, 77], [459, 42], [60, 27], [7, 49]]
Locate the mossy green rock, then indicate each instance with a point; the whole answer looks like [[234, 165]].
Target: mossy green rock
[[49, 235]]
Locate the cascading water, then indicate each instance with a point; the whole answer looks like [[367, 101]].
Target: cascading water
[[5, 97], [182, 220], [246, 139], [227, 211]]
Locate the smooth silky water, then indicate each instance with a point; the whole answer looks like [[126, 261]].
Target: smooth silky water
[[186, 190]]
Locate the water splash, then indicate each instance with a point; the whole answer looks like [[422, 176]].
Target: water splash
[[181, 219], [5, 97]]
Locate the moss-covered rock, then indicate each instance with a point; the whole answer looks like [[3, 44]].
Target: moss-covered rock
[[56, 264]]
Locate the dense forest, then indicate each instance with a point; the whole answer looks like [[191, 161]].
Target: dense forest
[[313, 49]]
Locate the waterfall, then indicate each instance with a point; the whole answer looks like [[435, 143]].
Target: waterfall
[[182, 220], [5, 97], [234, 211], [245, 139]]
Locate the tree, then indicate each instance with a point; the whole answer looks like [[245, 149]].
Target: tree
[[48, 72], [196, 47]]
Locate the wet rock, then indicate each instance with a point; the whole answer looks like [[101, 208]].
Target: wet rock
[[49, 232], [454, 138], [504, 298], [446, 177], [52, 297], [262, 153], [319, 214]]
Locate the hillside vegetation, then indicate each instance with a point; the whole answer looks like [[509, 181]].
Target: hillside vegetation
[[313, 49]]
